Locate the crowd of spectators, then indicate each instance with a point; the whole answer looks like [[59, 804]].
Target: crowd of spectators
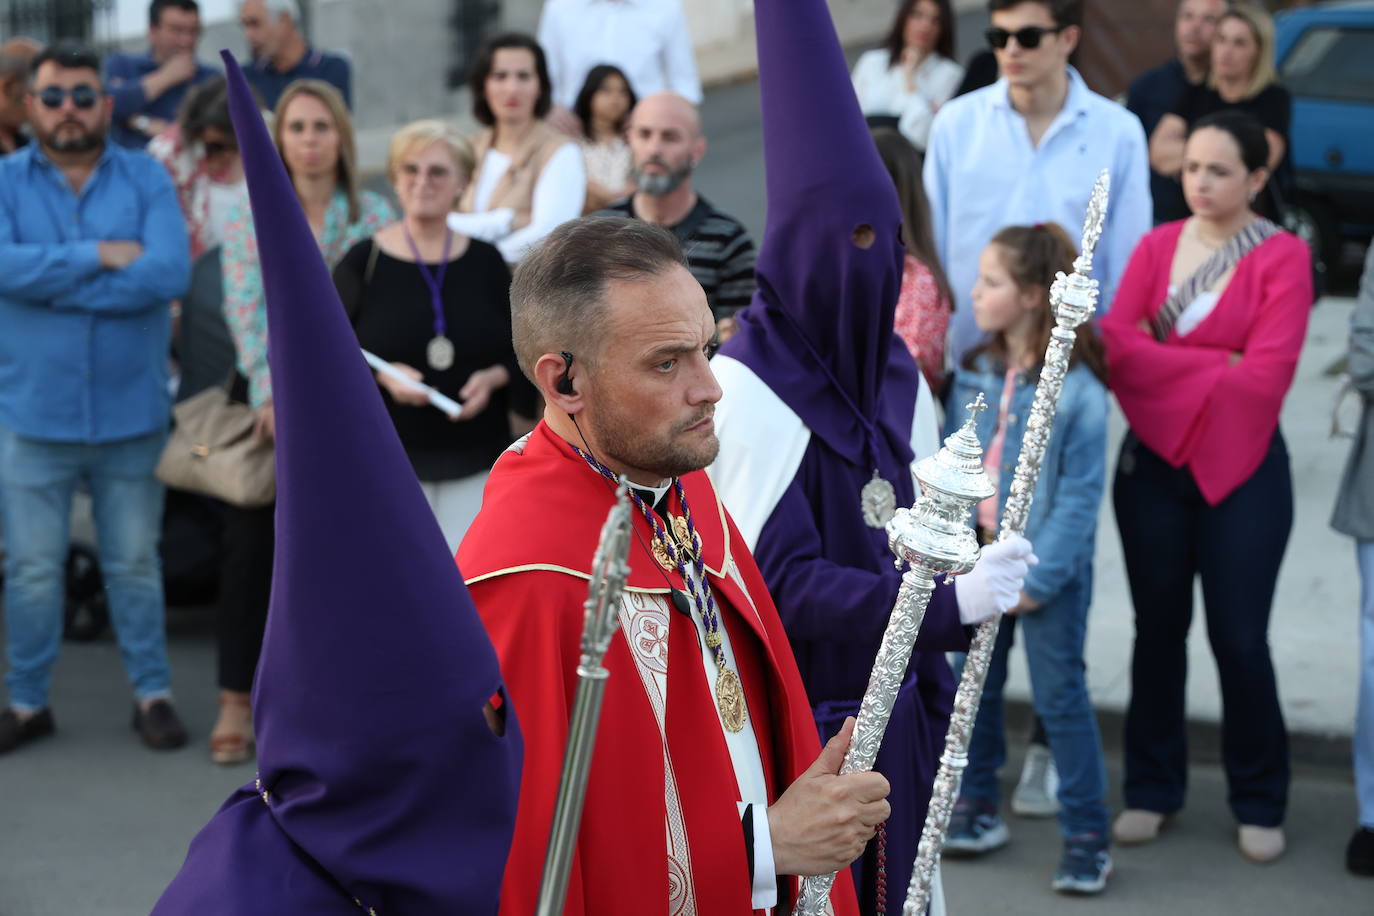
[[132, 192]]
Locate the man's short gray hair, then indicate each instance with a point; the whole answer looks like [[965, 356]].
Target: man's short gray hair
[[277, 7], [558, 296]]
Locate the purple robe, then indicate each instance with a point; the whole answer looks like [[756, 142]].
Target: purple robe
[[381, 787], [819, 335]]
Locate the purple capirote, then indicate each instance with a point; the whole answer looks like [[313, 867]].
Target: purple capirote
[[384, 787], [819, 333]]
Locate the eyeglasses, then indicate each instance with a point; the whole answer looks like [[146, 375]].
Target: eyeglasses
[[83, 96], [1028, 38], [218, 148]]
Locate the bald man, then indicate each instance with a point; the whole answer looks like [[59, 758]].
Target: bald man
[[666, 144], [15, 57]]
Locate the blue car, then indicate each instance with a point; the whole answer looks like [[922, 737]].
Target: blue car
[[1325, 58]]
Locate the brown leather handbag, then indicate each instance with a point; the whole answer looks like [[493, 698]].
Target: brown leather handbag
[[212, 451]]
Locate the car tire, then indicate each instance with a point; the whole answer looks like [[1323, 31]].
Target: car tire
[[1314, 221]]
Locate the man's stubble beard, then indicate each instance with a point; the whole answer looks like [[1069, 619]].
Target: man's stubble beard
[[623, 441], [89, 139]]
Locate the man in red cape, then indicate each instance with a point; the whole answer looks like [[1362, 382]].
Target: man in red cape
[[698, 797]]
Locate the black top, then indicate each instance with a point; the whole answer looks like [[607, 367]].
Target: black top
[[720, 253], [1152, 95], [1272, 107], [393, 317]]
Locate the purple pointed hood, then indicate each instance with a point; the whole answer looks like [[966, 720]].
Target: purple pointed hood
[[819, 330], [376, 765]]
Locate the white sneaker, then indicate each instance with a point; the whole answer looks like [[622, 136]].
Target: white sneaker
[[1037, 793]]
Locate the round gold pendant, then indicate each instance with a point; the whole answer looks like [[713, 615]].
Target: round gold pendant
[[660, 552], [730, 700]]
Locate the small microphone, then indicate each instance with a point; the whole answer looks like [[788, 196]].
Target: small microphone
[[684, 607]]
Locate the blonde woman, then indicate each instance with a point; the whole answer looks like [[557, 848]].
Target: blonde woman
[[1242, 78], [436, 305], [314, 135]]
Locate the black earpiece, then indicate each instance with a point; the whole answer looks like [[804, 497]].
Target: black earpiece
[[565, 384]]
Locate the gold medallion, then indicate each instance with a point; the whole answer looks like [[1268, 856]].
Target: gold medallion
[[687, 541], [660, 552], [730, 700]]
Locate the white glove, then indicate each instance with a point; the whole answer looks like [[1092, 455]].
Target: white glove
[[994, 585]]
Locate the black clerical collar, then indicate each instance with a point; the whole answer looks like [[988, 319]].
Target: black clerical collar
[[657, 497]]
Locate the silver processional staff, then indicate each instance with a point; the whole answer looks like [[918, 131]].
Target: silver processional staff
[[1073, 299], [609, 571]]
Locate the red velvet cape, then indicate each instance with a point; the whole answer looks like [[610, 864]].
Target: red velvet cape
[[527, 561]]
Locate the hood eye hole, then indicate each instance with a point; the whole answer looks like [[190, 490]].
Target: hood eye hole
[[863, 236]]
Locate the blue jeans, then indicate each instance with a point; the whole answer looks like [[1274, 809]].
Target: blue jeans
[[37, 480], [1054, 637], [1364, 715]]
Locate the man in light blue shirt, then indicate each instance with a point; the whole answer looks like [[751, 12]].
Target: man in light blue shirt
[[1026, 150], [92, 249]]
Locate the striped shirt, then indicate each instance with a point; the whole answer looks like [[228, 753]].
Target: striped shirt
[[720, 253]]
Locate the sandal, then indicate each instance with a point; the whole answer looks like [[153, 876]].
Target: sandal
[[230, 746]]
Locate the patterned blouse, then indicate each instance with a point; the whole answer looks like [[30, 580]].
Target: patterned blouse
[[923, 320], [244, 308]]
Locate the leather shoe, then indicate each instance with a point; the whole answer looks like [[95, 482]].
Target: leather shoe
[[159, 726], [15, 731], [1359, 855]]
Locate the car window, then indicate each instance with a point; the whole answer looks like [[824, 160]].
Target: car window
[[1332, 63]]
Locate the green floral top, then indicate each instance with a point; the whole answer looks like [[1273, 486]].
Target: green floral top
[[244, 309]]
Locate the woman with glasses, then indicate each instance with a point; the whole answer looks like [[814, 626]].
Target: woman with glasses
[[314, 134], [530, 177], [436, 305], [1242, 78], [913, 73]]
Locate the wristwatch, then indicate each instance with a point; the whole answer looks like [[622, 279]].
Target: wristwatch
[[141, 123]]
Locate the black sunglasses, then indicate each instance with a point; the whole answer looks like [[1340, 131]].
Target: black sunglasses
[[83, 96], [217, 148], [1028, 38]]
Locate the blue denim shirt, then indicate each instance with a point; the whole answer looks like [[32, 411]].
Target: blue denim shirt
[[1063, 517], [83, 349]]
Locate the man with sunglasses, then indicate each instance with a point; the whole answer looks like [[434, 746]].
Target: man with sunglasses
[[148, 88], [1026, 150], [92, 250]]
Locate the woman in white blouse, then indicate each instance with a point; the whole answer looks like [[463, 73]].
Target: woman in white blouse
[[530, 177], [913, 73]]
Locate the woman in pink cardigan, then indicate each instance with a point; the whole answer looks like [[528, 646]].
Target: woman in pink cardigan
[[1203, 340]]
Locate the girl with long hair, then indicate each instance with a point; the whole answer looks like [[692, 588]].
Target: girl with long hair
[[1011, 302]]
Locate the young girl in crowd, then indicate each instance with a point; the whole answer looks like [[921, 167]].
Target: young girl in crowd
[[1011, 301], [603, 106]]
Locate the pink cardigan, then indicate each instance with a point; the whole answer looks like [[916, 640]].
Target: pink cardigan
[[1182, 398]]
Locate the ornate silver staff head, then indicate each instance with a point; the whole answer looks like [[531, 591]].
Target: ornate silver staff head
[[1074, 298], [935, 533], [609, 572]]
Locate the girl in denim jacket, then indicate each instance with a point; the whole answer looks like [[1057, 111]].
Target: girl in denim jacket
[[1011, 303]]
